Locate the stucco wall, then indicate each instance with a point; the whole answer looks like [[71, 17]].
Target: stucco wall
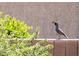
[[66, 14]]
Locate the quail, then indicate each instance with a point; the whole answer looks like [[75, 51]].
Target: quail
[[58, 30]]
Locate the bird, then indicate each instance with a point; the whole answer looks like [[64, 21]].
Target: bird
[[58, 30]]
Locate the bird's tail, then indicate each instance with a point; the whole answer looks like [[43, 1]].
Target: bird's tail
[[66, 36]]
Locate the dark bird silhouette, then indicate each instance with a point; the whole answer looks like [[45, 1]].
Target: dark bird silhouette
[[59, 31]]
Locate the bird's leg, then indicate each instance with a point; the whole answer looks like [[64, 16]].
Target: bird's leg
[[59, 36]]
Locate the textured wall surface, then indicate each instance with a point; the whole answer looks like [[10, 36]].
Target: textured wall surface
[[66, 14]]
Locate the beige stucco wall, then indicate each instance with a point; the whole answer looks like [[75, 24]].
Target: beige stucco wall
[[66, 14]]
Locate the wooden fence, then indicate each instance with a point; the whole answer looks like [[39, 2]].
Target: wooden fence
[[65, 47]]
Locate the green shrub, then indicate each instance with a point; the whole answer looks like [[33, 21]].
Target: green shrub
[[23, 48], [11, 32], [12, 27]]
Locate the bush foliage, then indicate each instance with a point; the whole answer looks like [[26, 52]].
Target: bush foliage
[[11, 30], [12, 27], [23, 48]]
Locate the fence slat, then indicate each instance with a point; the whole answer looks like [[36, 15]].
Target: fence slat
[[59, 49], [78, 47], [51, 51], [71, 48]]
